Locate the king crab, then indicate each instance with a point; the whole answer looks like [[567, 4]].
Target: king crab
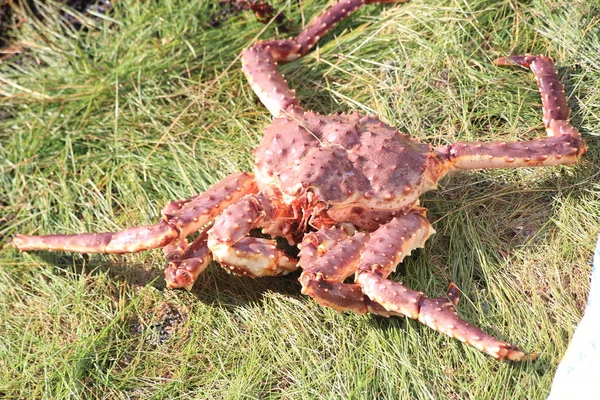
[[343, 188]]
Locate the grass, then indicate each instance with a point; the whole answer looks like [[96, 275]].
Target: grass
[[100, 128]]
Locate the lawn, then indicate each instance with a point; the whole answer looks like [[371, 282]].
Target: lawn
[[100, 127]]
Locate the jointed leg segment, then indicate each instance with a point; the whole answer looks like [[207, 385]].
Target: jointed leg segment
[[180, 219], [553, 92], [241, 254], [328, 257], [259, 62], [126, 241], [563, 146]]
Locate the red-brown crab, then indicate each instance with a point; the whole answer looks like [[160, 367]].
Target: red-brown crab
[[344, 188]]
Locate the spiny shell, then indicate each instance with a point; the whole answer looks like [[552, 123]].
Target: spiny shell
[[347, 159]]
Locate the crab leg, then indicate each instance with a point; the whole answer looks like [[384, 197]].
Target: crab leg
[[180, 222], [562, 146], [244, 255], [177, 246], [387, 247], [553, 92], [126, 241], [328, 257], [197, 212], [259, 62], [183, 271]]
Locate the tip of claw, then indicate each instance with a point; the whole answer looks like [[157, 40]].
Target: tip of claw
[[177, 278], [514, 354], [524, 61], [453, 293], [175, 285], [502, 61], [17, 242]]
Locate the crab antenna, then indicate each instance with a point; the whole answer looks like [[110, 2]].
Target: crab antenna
[[259, 61]]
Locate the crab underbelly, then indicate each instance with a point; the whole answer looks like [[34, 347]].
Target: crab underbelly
[[364, 217]]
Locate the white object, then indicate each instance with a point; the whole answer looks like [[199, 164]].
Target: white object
[[578, 374]]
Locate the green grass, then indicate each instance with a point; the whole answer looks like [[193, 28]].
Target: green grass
[[100, 128]]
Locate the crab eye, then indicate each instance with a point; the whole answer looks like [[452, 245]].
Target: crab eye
[[357, 210]]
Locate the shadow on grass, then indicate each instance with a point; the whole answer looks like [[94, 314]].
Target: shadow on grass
[[165, 323], [210, 285]]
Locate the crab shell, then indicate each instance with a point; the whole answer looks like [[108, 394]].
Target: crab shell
[[349, 162]]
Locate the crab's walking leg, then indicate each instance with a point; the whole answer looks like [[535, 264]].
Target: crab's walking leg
[[201, 209], [387, 247], [126, 241], [240, 254], [554, 101], [181, 220], [259, 62], [562, 146], [183, 271], [327, 258]]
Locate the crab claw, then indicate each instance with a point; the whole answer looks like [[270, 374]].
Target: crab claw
[[183, 271]]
